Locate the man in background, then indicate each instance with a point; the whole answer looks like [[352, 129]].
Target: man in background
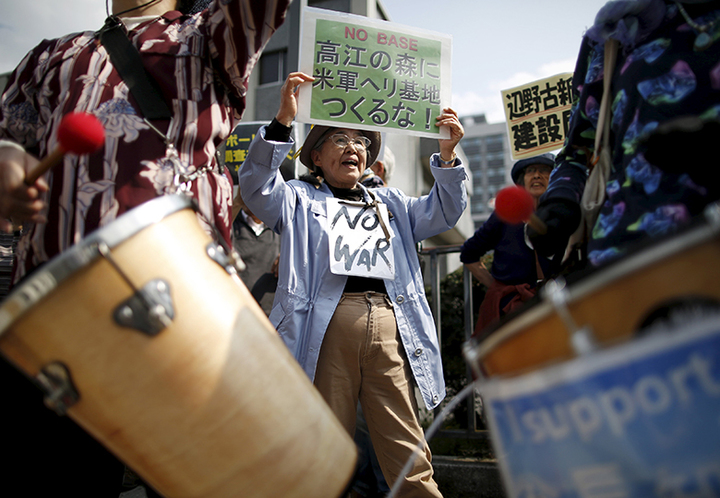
[[379, 173], [259, 248]]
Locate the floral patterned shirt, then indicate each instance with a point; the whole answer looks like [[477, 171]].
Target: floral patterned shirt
[[201, 64], [660, 78]]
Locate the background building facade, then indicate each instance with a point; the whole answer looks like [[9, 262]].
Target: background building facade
[[487, 148]]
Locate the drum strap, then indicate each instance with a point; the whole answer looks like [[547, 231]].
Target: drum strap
[[126, 60], [602, 136], [600, 165], [128, 63]]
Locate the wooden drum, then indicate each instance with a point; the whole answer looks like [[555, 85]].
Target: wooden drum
[[606, 307], [144, 335]]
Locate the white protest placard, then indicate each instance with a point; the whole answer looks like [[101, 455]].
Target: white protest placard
[[373, 75], [538, 115], [357, 242]]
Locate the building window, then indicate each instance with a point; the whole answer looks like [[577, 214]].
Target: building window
[[495, 156], [479, 206], [495, 143], [497, 181], [471, 147], [272, 67]]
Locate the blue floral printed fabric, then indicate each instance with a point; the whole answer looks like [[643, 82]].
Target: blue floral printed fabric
[[659, 75]]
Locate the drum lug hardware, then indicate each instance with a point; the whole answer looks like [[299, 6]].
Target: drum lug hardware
[[582, 339], [149, 310], [228, 259], [60, 392]]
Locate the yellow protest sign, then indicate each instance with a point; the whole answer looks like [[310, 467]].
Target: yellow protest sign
[[538, 115]]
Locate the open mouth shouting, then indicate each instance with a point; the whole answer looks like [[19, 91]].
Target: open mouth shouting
[[351, 162]]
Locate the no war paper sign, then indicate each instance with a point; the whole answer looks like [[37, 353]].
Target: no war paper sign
[[358, 245]]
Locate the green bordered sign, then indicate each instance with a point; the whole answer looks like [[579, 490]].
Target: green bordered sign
[[372, 74]]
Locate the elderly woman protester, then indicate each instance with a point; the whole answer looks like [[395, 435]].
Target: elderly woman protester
[[357, 337]]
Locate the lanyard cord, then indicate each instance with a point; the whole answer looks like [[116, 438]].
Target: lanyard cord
[[374, 204]]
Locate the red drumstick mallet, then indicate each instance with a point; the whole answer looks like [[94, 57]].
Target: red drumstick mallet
[[515, 205], [78, 133]]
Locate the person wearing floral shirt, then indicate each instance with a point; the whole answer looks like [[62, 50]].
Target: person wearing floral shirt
[[201, 57], [201, 63], [668, 66]]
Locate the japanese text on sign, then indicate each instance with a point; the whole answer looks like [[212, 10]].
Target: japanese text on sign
[[371, 74], [238, 142], [538, 115]]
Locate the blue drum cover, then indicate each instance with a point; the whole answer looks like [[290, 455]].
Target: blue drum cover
[[641, 419]]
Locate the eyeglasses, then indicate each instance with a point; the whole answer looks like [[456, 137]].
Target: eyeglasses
[[360, 143], [543, 170]]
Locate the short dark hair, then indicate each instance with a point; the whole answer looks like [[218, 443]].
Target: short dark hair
[[191, 6], [184, 6]]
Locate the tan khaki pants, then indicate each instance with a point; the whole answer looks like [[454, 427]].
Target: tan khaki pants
[[363, 359]]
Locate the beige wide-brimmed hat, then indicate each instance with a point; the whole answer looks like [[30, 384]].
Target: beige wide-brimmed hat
[[319, 132]]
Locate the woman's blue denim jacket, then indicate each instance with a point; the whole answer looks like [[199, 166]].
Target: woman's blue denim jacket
[[308, 292]]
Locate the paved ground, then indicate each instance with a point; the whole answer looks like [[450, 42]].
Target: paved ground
[[467, 478]]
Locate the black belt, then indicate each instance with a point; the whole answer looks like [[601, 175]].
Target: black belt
[[364, 284]]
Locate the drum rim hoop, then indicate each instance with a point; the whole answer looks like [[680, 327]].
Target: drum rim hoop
[[48, 277]]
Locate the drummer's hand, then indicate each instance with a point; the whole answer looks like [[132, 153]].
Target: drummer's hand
[[288, 97], [562, 218], [448, 117], [18, 201], [480, 272]]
